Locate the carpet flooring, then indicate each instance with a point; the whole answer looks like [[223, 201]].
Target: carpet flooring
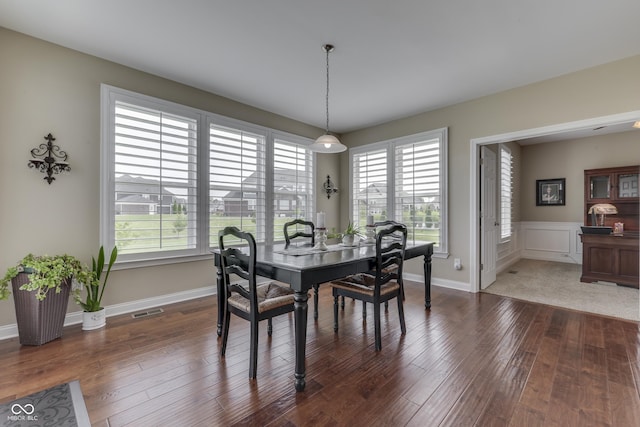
[[558, 284], [61, 405]]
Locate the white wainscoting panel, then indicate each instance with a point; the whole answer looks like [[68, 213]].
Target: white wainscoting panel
[[551, 241]]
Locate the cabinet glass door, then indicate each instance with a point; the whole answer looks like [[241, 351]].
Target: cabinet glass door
[[600, 187], [627, 185]]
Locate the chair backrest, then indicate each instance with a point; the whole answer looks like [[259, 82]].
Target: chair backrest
[[235, 260], [391, 242], [306, 231]]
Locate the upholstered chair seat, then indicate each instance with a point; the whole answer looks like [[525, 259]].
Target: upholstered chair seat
[[270, 295]]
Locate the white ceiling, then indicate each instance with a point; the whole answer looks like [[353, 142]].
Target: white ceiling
[[392, 59]]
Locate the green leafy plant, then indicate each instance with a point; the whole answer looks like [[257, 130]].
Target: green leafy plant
[[45, 273], [352, 230], [93, 283]]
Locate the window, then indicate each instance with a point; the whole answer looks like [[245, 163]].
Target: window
[[292, 183], [506, 185], [236, 181], [369, 190], [173, 176], [404, 180]]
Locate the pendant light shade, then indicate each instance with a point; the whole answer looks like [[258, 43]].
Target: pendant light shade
[[327, 143]]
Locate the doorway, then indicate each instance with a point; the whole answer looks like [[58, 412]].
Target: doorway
[[559, 131]]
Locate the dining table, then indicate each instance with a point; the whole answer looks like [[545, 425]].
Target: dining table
[[305, 267]]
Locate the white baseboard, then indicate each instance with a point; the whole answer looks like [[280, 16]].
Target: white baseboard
[[451, 284], [435, 281], [10, 331]]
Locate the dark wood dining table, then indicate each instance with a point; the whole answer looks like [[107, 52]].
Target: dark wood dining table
[[306, 271]]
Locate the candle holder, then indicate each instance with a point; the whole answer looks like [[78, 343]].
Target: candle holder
[[321, 239], [49, 159], [370, 234]]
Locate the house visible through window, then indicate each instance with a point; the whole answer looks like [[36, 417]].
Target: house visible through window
[[404, 180], [173, 176]]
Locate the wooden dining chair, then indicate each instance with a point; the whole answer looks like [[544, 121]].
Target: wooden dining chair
[[307, 232], [248, 299], [301, 229], [377, 225], [381, 284]]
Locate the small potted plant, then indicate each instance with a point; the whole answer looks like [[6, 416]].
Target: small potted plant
[[94, 316], [349, 235], [41, 286]]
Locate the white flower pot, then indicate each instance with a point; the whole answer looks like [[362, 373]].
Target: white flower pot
[[93, 319], [348, 240]]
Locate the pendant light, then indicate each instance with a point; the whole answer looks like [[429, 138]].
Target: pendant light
[[327, 143]]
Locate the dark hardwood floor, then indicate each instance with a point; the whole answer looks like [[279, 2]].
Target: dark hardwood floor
[[473, 359]]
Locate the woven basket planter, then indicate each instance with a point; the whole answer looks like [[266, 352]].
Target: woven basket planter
[[39, 321]]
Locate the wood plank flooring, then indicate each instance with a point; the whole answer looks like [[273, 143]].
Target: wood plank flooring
[[473, 359]]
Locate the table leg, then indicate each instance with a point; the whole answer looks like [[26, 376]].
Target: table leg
[[220, 300], [427, 280], [315, 301], [300, 316]]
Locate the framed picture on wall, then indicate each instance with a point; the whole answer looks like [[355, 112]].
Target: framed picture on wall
[[550, 192]]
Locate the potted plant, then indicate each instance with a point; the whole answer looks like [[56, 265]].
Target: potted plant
[[349, 235], [41, 286], [94, 316]]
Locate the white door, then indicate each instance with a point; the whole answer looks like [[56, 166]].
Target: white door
[[488, 218]]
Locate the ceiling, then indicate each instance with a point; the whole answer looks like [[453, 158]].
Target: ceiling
[[392, 59]]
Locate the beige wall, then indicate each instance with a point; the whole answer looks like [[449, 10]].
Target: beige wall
[[600, 91], [569, 159], [46, 88]]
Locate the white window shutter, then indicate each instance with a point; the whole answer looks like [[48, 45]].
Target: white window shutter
[[236, 181], [155, 178], [369, 191]]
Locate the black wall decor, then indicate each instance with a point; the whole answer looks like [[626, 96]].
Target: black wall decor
[[49, 159]]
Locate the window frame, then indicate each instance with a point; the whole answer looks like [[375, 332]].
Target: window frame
[[109, 96], [440, 251]]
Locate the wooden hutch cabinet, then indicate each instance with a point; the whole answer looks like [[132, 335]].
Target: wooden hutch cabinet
[[612, 257]]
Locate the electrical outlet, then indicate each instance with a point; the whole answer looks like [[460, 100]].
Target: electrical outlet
[[457, 264]]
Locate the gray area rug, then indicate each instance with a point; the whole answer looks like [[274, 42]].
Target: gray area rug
[[62, 405], [558, 284]]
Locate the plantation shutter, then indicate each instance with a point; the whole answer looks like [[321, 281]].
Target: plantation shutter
[[417, 189], [506, 185], [292, 184], [155, 179], [236, 181], [370, 186]]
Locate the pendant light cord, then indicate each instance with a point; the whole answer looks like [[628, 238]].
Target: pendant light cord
[[327, 49]]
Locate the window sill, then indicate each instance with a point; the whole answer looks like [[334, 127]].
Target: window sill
[[151, 262]]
